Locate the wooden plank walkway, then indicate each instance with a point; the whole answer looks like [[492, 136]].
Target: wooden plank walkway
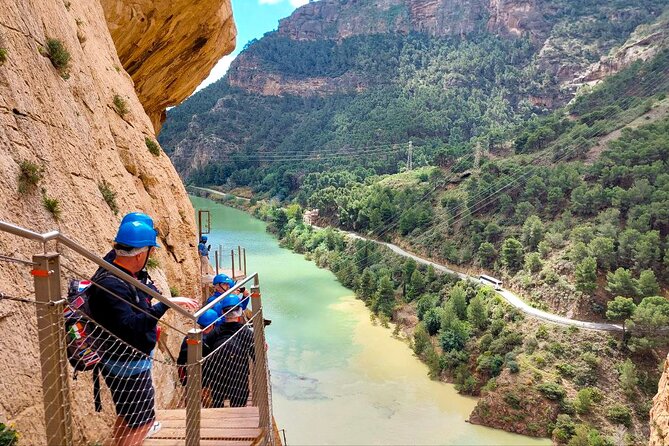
[[228, 426]]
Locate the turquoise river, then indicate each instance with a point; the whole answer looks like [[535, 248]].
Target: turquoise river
[[337, 378]]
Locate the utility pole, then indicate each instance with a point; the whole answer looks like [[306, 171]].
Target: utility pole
[[410, 156]]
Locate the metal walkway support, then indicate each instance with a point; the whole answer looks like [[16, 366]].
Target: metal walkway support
[[51, 333]]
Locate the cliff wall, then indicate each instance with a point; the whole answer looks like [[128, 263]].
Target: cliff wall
[[659, 414], [84, 126]]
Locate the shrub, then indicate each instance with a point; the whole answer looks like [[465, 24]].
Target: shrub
[[120, 105], [52, 205], [556, 348], [584, 399], [29, 175], [565, 370], [3, 55], [542, 332], [591, 360], [513, 366], [620, 414], [174, 292], [564, 428], [552, 391], [152, 263], [513, 400], [531, 344], [59, 56], [109, 195], [153, 146], [8, 436]]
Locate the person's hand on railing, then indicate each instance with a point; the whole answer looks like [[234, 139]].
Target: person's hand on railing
[[185, 302]]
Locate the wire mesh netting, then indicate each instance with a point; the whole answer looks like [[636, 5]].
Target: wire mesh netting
[[100, 383]]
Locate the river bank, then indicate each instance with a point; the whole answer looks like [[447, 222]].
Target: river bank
[[338, 378], [555, 367]]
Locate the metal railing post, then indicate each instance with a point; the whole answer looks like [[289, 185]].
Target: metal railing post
[[194, 387], [260, 387], [216, 254], [244, 252], [52, 345], [232, 262]]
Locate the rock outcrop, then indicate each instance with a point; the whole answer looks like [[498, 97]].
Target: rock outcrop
[[249, 75], [643, 44], [659, 414], [84, 127], [166, 46]]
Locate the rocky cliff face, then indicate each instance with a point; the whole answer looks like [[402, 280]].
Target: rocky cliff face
[[66, 123], [340, 19], [659, 414], [166, 46]]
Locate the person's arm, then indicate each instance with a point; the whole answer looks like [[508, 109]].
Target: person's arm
[[134, 326]]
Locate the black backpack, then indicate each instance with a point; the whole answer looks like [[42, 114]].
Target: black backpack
[[83, 351]]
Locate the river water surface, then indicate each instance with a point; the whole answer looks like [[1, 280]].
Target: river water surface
[[336, 377]]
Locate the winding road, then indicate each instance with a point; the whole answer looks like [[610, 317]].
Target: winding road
[[507, 295]]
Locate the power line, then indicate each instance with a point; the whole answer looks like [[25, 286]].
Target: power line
[[481, 197]]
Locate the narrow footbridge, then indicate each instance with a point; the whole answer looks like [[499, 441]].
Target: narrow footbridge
[[219, 395]]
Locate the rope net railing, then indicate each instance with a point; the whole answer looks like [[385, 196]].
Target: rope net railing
[[109, 383]]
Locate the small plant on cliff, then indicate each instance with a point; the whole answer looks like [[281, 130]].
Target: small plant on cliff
[[52, 205], [174, 292], [153, 146], [8, 436], [3, 55], [152, 263], [109, 195], [120, 105], [29, 175], [59, 56]]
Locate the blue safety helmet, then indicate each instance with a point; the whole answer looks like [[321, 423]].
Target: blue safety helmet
[[232, 300], [136, 234], [138, 216], [223, 278], [207, 318], [204, 238]]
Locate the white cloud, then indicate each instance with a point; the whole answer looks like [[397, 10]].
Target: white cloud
[[269, 2], [298, 3]]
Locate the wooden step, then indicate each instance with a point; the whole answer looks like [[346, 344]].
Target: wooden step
[[229, 426]]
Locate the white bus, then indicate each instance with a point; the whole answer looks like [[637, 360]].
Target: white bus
[[487, 280]]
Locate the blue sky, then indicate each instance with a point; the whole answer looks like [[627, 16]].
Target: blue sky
[[253, 18]]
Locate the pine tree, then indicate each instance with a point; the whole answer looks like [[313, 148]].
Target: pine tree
[[620, 283], [586, 276], [647, 284], [416, 285], [486, 254], [533, 232], [384, 298], [512, 254], [457, 300], [477, 313], [620, 309]]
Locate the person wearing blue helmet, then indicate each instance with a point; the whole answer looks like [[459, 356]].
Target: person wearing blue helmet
[[130, 334], [222, 283], [143, 276], [207, 323], [203, 250], [226, 372]]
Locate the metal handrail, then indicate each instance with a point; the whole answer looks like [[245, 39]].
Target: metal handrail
[[79, 249]]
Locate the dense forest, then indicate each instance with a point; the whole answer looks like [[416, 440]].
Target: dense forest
[[566, 201]]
